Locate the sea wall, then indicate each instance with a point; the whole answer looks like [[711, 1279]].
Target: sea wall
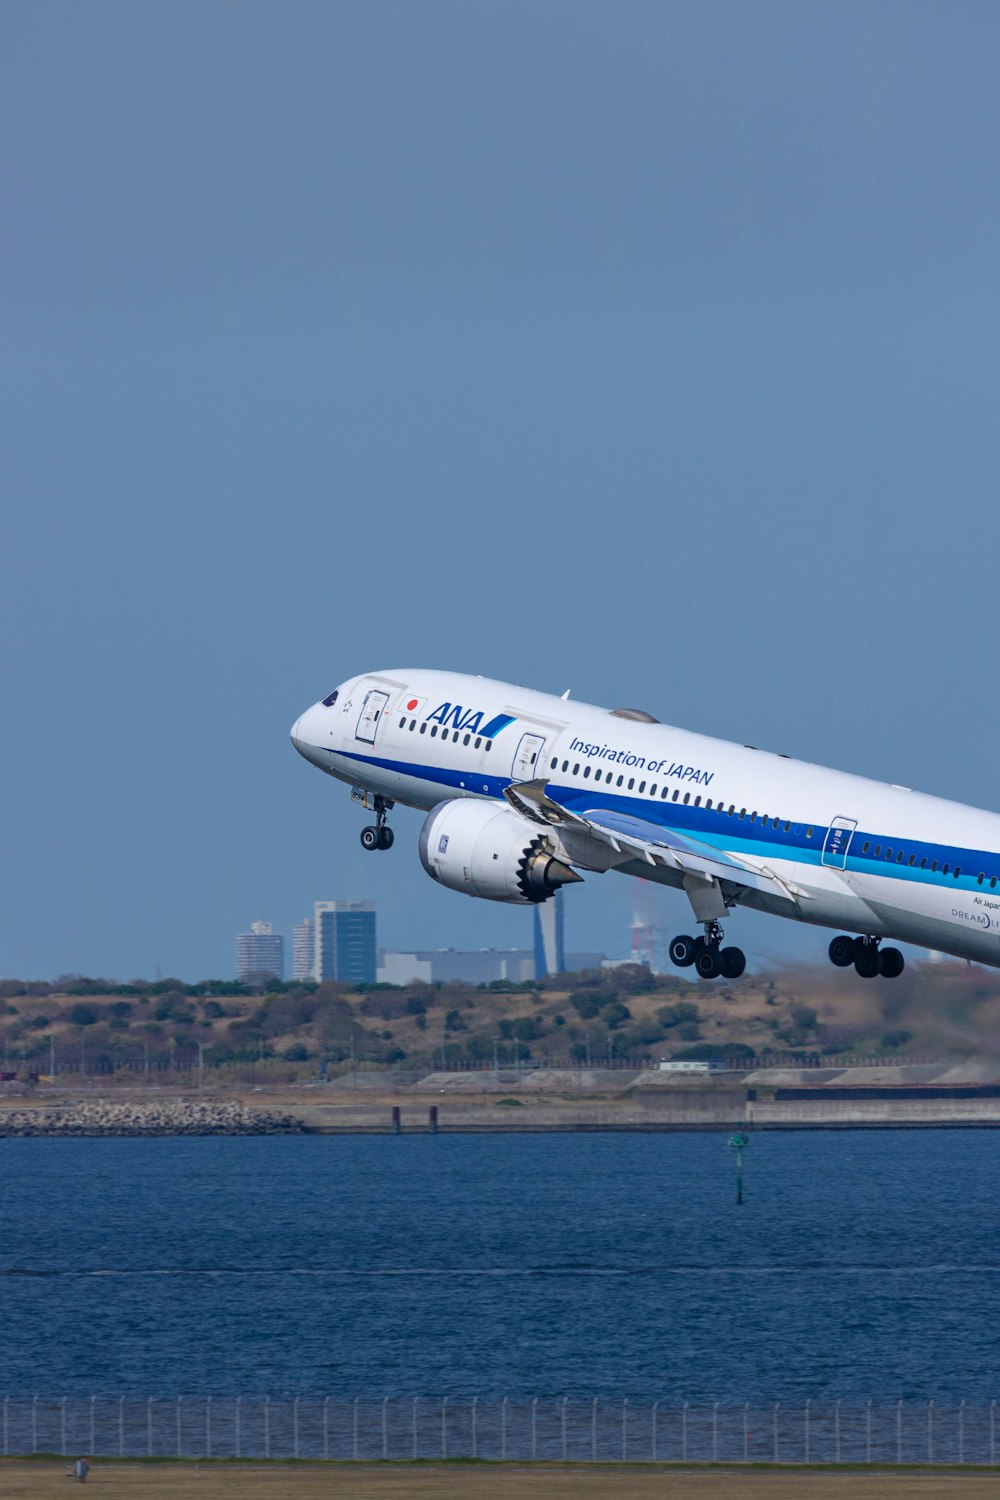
[[98, 1117]]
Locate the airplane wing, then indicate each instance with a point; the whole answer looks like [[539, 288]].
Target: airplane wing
[[636, 838]]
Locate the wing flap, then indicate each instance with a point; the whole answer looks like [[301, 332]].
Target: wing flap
[[652, 842]]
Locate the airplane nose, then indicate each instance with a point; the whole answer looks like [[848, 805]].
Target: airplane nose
[[310, 735]]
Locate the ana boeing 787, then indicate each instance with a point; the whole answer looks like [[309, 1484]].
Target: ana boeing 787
[[526, 792]]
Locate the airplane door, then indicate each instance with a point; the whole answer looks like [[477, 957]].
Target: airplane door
[[837, 842], [527, 761], [371, 713]]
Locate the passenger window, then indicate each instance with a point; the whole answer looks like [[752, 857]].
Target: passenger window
[[565, 765], [652, 790], [468, 737], [788, 827], [677, 792], [753, 816], [402, 723], [888, 853], [434, 730], [732, 809], [933, 866], [697, 802], [664, 792], [912, 860], [980, 878], [478, 743], [776, 822], [576, 769], [489, 745], [878, 851], [642, 786], [809, 833], [899, 857], [957, 871], [413, 725], [993, 882], [945, 869], [586, 772], [687, 798], [455, 736], [923, 863], [423, 728], [743, 812], [631, 782], [708, 803], [620, 780], [866, 846]]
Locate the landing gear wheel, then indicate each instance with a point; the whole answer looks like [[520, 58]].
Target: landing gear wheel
[[866, 961], [891, 963], [732, 962], [843, 951], [683, 951], [378, 835], [708, 963]]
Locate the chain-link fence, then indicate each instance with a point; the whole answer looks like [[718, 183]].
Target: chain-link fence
[[564, 1429]]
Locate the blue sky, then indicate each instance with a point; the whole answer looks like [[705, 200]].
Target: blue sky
[[649, 350]]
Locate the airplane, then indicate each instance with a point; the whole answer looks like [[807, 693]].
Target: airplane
[[526, 792]]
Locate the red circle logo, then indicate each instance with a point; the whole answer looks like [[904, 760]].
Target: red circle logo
[[412, 704]]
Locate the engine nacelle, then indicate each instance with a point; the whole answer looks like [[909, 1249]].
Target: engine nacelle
[[492, 852]]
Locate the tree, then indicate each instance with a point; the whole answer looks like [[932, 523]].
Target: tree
[[677, 1014]]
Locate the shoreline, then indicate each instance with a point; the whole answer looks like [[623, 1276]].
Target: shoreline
[[432, 1108]]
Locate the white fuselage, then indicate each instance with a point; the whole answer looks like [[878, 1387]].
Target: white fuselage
[[857, 854]]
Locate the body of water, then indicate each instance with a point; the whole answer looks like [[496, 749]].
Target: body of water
[[862, 1264]]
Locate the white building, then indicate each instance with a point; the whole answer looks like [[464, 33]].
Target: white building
[[260, 953], [304, 949]]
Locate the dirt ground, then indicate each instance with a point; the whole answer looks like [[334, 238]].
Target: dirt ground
[[32, 1481]]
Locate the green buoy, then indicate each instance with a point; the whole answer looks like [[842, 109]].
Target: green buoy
[[739, 1142]]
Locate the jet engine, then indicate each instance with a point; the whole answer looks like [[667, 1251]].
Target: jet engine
[[490, 851]]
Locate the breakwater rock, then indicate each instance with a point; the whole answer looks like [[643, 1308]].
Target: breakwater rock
[[171, 1117]]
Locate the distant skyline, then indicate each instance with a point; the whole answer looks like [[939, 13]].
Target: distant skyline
[[646, 350]]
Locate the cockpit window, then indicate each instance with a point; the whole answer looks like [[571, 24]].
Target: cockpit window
[[330, 699]]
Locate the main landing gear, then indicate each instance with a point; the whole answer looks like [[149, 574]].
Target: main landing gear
[[379, 835], [867, 957], [710, 959]]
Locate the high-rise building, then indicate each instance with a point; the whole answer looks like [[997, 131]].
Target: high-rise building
[[304, 949], [550, 946], [344, 941], [260, 953]]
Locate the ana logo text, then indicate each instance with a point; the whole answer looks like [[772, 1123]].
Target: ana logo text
[[454, 716]]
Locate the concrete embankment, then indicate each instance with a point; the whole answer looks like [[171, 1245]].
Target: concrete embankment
[[551, 1099], [170, 1117], [544, 1101]]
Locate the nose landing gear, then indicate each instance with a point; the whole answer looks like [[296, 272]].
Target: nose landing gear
[[379, 835], [710, 959], [867, 957]]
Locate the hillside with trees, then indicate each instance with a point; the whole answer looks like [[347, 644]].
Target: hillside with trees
[[93, 1025]]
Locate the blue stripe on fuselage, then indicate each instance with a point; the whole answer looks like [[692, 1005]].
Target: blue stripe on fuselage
[[733, 834], [492, 729]]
